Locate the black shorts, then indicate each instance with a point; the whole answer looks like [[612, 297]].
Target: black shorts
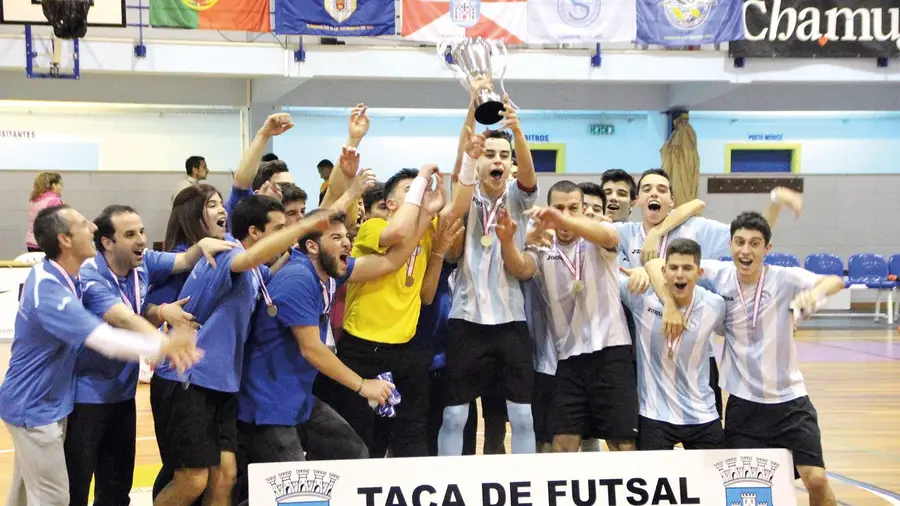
[[542, 406], [596, 394], [793, 425], [194, 425], [657, 435], [488, 359], [493, 406]]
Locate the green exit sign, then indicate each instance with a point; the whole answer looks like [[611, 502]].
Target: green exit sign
[[603, 129]]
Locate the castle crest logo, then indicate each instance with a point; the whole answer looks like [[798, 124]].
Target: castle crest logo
[[747, 481], [302, 487]]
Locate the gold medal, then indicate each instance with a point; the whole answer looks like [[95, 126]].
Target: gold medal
[[486, 241], [272, 310], [578, 286], [409, 281], [671, 353]]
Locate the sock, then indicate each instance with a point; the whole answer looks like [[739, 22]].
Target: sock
[[450, 438], [522, 424]]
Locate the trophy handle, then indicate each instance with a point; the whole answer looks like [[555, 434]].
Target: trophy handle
[[457, 72], [504, 59]]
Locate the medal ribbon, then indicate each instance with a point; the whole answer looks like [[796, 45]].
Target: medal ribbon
[[411, 264], [327, 294], [687, 316], [756, 298], [66, 276], [137, 292], [576, 266], [489, 217], [662, 242], [262, 286]]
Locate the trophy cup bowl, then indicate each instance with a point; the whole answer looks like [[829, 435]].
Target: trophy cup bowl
[[474, 58]]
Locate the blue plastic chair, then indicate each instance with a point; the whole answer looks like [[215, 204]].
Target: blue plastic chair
[[871, 270], [782, 260], [825, 264]]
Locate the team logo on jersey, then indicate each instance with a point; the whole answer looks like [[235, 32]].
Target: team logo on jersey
[[747, 481], [200, 5], [303, 487], [340, 10], [578, 13], [465, 13], [688, 14]]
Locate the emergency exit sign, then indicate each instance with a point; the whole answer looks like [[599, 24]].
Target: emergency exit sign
[[603, 129]]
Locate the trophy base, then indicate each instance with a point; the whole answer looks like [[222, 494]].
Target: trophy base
[[488, 113]]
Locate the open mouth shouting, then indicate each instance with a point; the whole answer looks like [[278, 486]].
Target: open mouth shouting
[[496, 175], [612, 207], [138, 255], [343, 258], [745, 263], [680, 285], [654, 206]]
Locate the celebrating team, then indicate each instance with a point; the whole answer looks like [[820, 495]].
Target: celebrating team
[[566, 319]]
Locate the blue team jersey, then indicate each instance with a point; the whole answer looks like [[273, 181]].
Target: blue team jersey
[[236, 195], [51, 327], [431, 330], [276, 388], [222, 302], [102, 380], [166, 291]]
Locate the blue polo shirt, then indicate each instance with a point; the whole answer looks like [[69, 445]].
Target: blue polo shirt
[[102, 380], [277, 386], [222, 302], [166, 291], [51, 327]]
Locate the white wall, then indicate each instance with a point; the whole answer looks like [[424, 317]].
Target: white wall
[[57, 139]]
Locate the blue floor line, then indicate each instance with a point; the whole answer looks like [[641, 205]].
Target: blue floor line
[[864, 485]]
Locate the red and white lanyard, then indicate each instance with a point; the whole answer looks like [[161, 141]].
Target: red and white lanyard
[[687, 317], [489, 217], [663, 242], [137, 292], [576, 266], [756, 298], [327, 294], [66, 276], [262, 286]]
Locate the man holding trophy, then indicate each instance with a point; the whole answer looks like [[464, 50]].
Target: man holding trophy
[[488, 345]]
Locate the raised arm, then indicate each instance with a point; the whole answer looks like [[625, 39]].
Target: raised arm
[[357, 127], [207, 247], [527, 177], [520, 265], [679, 215], [463, 190], [601, 233], [276, 124], [781, 197], [406, 216], [444, 237], [673, 321]]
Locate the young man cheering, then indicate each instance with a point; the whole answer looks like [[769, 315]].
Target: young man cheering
[[768, 406]]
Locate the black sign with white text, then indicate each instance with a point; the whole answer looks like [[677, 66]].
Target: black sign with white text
[[819, 28]]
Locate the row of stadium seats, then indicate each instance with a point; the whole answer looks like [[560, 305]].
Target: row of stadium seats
[[864, 270]]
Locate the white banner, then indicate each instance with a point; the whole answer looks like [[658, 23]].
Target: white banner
[[704, 477], [555, 21]]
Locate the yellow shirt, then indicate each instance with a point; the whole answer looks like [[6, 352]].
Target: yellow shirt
[[385, 310]]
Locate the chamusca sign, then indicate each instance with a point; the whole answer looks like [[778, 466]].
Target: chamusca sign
[[819, 28]]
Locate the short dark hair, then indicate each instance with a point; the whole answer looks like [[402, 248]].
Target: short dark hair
[[498, 134], [338, 218], [564, 186], [105, 227], [402, 175], [291, 193], [685, 247], [48, 225], [268, 157], [266, 170], [186, 219], [619, 175], [751, 220], [594, 190], [325, 163], [656, 172], [253, 211], [193, 162], [373, 195]]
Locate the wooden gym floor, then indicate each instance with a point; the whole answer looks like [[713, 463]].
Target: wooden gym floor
[[853, 378]]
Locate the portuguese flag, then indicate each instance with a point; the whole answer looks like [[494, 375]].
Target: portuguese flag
[[241, 15]]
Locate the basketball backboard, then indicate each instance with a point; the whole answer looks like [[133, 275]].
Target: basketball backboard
[[109, 13]]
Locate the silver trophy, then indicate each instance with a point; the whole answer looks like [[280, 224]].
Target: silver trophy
[[479, 57]]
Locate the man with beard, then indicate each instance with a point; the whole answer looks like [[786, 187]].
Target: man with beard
[[195, 414], [101, 428], [677, 404], [279, 417], [595, 387], [488, 344], [768, 406], [52, 328]]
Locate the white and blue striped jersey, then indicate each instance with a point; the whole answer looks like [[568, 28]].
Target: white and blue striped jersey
[[580, 323], [485, 293], [759, 365], [675, 390], [712, 236], [545, 358]]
